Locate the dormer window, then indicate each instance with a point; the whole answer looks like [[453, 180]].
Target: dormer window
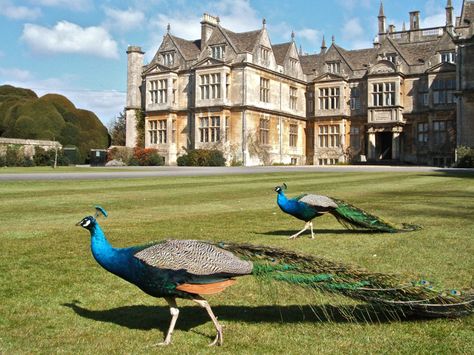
[[334, 67], [293, 63], [264, 54], [448, 57], [217, 52], [168, 58], [392, 57]]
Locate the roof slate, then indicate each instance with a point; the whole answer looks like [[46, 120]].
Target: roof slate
[[279, 51]]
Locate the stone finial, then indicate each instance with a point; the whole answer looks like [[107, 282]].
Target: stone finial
[[449, 5], [404, 27], [301, 50], [381, 13], [264, 22], [168, 28], [333, 39], [218, 19], [292, 36]]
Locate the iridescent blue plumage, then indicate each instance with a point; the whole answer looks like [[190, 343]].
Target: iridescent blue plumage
[[306, 207]]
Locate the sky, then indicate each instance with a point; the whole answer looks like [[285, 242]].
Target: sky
[[77, 47]]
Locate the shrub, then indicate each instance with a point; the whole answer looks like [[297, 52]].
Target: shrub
[[46, 157], [202, 157], [124, 154], [465, 157], [147, 157], [14, 156]]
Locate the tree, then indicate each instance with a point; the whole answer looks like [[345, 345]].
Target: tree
[[117, 129]]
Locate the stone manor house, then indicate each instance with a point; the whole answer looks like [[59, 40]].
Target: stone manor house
[[409, 98]]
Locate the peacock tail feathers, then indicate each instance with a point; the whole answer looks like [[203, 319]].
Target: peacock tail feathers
[[388, 292], [352, 217]]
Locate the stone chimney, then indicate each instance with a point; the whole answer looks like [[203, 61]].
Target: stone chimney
[[134, 96], [208, 23], [414, 20], [391, 28]]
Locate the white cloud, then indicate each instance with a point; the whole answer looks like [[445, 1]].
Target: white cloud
[[19, 12], [309, 34], [15, 74], [123, 20], [435, 20], [80, 5], [237, 15], [67, 37], [352, 29]]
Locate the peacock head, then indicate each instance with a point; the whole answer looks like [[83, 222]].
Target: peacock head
[[281, 188], [87, 222]]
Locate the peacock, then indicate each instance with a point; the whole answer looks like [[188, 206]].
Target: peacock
[[189, 269], [309, 206]]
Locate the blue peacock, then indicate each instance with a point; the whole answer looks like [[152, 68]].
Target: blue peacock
[[309, 206], [189, 269]]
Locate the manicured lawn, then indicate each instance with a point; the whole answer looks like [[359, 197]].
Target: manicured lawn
[[56, 299], [59, 169]]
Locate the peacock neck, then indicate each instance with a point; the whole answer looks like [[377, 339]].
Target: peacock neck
[[108, 257], [281, 198]]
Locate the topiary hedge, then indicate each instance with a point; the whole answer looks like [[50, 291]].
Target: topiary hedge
[[202, 157]]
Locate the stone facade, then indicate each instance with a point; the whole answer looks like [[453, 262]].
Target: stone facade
[[263, 103]]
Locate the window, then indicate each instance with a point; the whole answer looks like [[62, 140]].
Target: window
[[210, 86], [226, 129], [443, 91], [168, 58], [293, 135], [310, 102], [329, 161], [157, 131], [392, 57], [217, 52], [173, 131], [162, 91], [383, 94], [355, 98], [293, 63], [329, 136], [329, 98], [174, 91], [422, 132], [334, 67], [264, 90], [154, 91], [293, 97], [439, 132], [264, 131], [355, 138], [227, 85], [448, 57], [265, 55], [210, 129]]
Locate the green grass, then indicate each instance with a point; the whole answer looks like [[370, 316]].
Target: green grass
[[54, 298], [59, 169]]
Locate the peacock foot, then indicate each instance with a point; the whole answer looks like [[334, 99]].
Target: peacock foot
[[219, 340]]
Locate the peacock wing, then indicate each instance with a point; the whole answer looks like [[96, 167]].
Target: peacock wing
[[195, 257], [318, 201]]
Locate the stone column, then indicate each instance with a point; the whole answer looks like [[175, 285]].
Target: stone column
[[134, 82], [395, 145], [371, 146]]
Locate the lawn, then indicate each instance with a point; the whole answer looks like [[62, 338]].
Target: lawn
[[56, 299]]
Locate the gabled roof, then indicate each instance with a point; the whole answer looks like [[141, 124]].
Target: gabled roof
[[280, 51], [310, 62], [413, 52], [244, 41], [359, 57], [189, 49]]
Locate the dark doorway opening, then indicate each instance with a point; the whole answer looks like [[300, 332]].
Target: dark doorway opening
[[383, 145]]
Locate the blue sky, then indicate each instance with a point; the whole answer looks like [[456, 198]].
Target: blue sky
[[77, 47]]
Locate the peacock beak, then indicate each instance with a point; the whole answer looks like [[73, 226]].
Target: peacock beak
[[78, 224]]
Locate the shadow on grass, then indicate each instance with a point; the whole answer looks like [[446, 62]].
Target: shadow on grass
[[321, 231], [158, 317]]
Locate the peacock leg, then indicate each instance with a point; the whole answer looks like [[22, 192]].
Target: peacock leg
[[311, 225], [203, 303], [296, 235], [174, 316]]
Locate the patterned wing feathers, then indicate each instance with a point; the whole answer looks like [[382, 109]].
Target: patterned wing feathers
[[318, 201], [195, 257]]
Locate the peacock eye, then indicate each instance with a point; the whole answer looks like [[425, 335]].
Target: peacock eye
[[86, 223]]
